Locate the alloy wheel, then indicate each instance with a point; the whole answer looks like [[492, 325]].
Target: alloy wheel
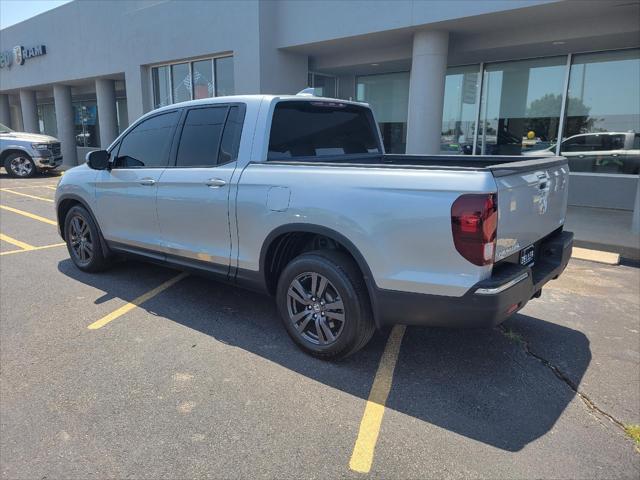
[[80, 239], [315, 308], [21, 166]]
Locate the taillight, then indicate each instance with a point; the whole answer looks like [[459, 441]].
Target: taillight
[[474, 223]]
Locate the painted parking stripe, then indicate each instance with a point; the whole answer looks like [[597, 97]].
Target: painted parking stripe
[[44, 247], [16, 243], [32, 185], [362, 456], [136, 302], [29, 215], [26, 195]]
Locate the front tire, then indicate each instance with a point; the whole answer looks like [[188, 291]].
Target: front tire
[[20, 165], [83, 241], [324, 304]]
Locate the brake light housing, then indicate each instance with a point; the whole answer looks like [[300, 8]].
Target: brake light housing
[[474, 224]]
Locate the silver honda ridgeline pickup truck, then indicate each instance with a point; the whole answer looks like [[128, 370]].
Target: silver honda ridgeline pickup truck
[[295, 196]]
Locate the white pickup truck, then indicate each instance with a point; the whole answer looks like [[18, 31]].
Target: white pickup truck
[[294, 196]]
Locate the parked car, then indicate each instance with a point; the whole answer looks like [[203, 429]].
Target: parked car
[[602, 152], [295, 196], [24, 154]]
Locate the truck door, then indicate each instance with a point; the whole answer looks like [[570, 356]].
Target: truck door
[[126, 194], [194, 193]]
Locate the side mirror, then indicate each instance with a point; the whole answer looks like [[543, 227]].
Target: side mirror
[[98, 159]]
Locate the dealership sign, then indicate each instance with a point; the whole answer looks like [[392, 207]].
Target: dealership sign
[[19, 54]]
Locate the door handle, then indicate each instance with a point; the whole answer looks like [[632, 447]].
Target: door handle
[[149, 182], [215, 183]]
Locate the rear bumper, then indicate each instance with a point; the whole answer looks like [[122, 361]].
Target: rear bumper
[[488, 302]]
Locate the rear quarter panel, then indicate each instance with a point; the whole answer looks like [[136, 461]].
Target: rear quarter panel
[[398, 219]]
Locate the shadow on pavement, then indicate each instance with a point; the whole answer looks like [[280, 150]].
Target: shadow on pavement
[[476, 383]]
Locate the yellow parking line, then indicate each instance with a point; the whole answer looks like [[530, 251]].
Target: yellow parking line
[[32, 185], [362, 456], [136, 302], [51, 187], [44, 247], [27, 214], [26, 195], [16, 243]]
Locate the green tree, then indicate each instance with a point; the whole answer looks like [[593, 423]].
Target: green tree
[[543, 116]]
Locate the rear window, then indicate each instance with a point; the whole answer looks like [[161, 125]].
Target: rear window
[[320, 129]]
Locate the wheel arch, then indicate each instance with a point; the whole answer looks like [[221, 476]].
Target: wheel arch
[[66, 203], [277, 236], [11, 150]]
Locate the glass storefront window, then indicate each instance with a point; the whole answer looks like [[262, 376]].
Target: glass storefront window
[[123, 114], [521, 103], [161, 86], [202, 79], [388, 96], [47, 119], [324, 85], [459, 111], [192, 80], [224, 76], [602, 127], [86, 124], [181, 82]]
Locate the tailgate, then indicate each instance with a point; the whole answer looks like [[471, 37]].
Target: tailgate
[[532, 201]]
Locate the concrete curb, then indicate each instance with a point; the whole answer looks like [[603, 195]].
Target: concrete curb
[[599, 256]]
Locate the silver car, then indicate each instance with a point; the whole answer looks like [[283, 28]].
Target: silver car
[[25, 154], [600, 152]]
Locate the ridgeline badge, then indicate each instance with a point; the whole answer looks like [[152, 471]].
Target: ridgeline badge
[[19, 54]]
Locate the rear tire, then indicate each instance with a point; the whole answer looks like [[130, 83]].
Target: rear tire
[[324, 304], [84, 241], [20, 165]]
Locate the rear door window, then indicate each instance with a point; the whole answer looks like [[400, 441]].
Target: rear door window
[[617, 142], [230, 142], [200, 139], [313, 130]]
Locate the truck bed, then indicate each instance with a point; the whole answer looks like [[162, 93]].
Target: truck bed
[[498, 165]]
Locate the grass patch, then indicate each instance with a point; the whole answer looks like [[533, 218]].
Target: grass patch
[[634, 432], [515, 337]]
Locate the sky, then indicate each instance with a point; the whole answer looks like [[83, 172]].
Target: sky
[[14, 11]]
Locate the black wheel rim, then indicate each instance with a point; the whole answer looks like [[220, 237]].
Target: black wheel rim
[[315, 309], [80, 239]]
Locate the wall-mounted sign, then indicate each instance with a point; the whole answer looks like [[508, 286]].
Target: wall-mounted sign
[[19, 54]]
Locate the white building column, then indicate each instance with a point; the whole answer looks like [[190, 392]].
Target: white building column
[[139, 93], [426, 91], [107, 113], [5, 110], [29, 107], [66, 124]]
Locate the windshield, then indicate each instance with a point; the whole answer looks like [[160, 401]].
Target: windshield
[[4, 129]]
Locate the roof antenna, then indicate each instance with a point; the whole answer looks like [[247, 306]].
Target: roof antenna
[[307, 92]]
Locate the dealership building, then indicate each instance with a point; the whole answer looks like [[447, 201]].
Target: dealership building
[[499, 77]]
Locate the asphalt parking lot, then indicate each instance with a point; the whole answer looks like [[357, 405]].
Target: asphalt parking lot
[[201, 380]]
